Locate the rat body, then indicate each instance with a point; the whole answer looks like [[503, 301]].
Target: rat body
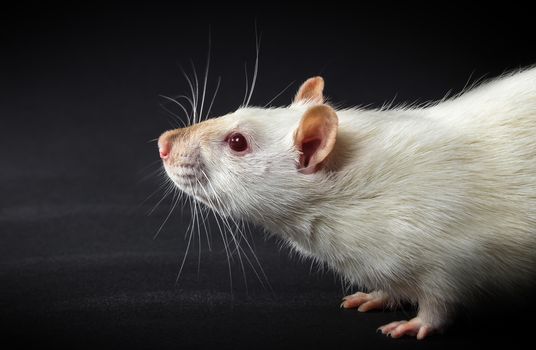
[[432, 206]]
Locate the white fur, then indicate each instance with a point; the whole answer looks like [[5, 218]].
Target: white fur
[[429, 205]]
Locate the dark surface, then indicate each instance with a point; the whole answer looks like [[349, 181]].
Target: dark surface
[[78, 105]]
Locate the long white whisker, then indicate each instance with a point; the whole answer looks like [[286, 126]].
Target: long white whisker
[[189, 99], [226, 248], [206, 77], [175, 200], [204, 218], [196, 221], [256, 69], [236, 241], [159, 171], [254, 256], [184, 258], [247, 84], [208, 232], [238, 250], [177, 103], [279, 94], [253, 253], [196, 96], [247, 229], [192, 91], [160, 187], [191, 203], [221, 231], [176, 116], [213, 98], [166, 193]]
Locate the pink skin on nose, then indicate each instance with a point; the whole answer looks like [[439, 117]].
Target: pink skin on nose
[[164, 147]]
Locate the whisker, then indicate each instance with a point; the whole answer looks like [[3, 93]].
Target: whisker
[[237, 245], [178, 104], [279, 94], [208, 232], [255, 257], [175, 200], [165, 184], [151, 164], [189, 99], [196, 222], [204, 219], [247, 84], [190, 206], [158, 171], [221, 231], [176, 117], [175, 101], [247, 229], [184, 258], [168, 191], [213, 97], [196, 97], [206, 77], [226, 248], [256, 69], [239, 249], [193, 102]]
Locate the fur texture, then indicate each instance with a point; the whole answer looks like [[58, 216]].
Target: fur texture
[[431, 205]]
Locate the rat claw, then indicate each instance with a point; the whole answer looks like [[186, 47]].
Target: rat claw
[[388, 328], [364, 301], [414, 327]]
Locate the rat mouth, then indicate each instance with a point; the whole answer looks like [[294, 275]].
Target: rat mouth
[[192, 186]]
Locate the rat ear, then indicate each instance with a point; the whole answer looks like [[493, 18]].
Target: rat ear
[[311, 91], [315, 137]]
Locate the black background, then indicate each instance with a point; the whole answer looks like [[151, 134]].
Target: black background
[[79, 104]]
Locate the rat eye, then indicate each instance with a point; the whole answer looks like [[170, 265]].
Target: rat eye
[[237, 142]]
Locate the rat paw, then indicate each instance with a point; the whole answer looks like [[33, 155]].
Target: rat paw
[[365, 301], [414, 327]]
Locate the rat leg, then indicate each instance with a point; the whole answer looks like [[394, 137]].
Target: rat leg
[[431, 318], [365, 301]]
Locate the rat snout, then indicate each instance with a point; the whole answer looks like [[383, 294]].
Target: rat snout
[[165, 143], [176, 146]]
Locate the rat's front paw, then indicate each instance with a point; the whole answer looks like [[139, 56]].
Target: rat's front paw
[[365, 301], [413, 327]]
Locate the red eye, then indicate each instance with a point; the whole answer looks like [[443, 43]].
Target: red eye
[[237, 142]]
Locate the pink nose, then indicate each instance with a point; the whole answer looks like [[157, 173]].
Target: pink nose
[[164, 148]]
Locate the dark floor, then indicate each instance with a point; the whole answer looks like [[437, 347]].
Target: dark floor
[[78, 105]]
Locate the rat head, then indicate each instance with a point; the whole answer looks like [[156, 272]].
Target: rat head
[[255, 161]]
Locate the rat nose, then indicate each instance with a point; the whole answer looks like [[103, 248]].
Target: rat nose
[[164, 145], [164, 149]]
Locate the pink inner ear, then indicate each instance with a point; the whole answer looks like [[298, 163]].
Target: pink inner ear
[[309, 148]]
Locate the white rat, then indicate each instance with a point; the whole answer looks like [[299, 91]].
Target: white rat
[[433, 206]]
